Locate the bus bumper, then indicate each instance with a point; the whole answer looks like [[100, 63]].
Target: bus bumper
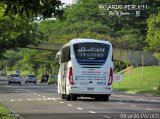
[[89, 91]]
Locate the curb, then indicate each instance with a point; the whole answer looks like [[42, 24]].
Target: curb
[[134, 93], [12, 112]]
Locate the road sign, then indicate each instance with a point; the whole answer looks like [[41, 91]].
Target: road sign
[[117, 77]]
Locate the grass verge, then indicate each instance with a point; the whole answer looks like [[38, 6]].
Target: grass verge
[[5, 114], [144, 80]]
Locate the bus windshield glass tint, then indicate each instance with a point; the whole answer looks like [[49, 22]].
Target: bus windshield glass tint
[[91, 52]]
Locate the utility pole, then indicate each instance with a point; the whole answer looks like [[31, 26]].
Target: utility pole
[[142, 64]]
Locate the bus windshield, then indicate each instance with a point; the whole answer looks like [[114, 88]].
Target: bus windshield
[[91, 53]]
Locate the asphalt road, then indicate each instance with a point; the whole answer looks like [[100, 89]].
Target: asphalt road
[[41, 101]]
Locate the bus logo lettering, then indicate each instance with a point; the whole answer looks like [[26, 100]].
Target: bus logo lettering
[[83, 49]]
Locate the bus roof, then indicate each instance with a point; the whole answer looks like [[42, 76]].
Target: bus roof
[[81, 40]]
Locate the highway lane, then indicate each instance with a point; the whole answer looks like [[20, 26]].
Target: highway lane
[[41, 101]]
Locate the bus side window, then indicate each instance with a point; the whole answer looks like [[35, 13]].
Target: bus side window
[[65, 54]]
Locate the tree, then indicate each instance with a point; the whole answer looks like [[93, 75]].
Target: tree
[[153, 34], [37, 62], [11, 58], [33, 8], [16, 21], [17, 32]]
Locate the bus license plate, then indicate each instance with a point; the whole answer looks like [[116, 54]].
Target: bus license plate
[[90, 88]]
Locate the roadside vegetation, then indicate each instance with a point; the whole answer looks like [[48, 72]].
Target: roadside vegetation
[[83, 19], [19, 27], [29, 61], [144, 80], [5, 114]]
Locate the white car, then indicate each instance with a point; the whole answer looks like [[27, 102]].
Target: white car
[[14, 78], [17, 72], [31, 78]]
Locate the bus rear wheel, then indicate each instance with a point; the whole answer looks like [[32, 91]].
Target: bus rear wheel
[[106, 98], [74, 98], [68, 97], [63, 96], [98, 98], [102, 98]]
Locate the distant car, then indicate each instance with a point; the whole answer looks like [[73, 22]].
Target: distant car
[[31, 78], [14, 78], [17, 72], [44, 78], [52, 79], [3, 73]]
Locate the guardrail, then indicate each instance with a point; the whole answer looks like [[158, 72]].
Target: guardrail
[[130, 56]]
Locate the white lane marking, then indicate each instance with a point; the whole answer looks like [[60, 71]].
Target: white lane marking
[[39, 99], [49, 99], [39, 95], [28, 91], [132, 105], [107, 117], [69, 105], [148, 108], [80, 108], [54, 99], [153, 100], [29, 99], [91, 112], [141, 98], [43, 96], [120, 102], [19, 99], [35, 93]]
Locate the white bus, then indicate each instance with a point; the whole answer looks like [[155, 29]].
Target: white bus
[[85, 69]]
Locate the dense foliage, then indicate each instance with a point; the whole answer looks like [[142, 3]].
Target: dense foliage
[[87, 19], [17, 26], [83, 19], [33, 61], [153, 36], [33, 8]]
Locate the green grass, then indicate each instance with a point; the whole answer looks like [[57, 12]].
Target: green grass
[[140, 80], [5, 114]]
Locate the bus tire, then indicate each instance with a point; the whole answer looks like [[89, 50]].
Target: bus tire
[[68, 97], [63, 96], [98, 98], [106, 98], [74, 98]]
